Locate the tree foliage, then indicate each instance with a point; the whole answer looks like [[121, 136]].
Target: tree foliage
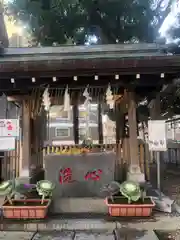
[[112, 21]]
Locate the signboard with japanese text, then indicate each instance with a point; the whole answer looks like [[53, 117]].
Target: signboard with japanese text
[[157, 135], [80, 175], [9, 127], [7, 143]]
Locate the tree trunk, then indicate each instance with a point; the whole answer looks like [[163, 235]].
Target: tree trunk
[[4, 41]]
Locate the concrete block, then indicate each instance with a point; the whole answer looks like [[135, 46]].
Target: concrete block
[[134, 174], [136, 177], [79, 205]]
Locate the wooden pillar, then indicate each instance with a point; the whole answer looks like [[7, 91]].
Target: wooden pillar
[[26, 139], [76, 118], [134, 172], [147, 153], [133, 141], [120, 121], [100, 127], [155, 108], [118, 163], [126, 151], [118, 124], [142, 156]]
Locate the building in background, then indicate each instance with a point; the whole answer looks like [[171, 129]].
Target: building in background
[[60, 129]]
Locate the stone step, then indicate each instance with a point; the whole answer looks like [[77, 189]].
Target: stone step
[[61, 224]]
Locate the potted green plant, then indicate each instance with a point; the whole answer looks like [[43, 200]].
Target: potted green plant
[[25, 207], [130, 200]]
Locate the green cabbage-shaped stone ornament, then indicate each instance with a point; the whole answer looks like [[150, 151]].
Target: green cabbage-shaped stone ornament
[[130, 190], [45, 189]]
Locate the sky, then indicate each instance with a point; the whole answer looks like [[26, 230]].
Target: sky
[[171, 19]]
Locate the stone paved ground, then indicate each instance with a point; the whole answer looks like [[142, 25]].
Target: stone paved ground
[[72, 235], [58, 235], [121, 234], [88, 229], [16, 235]]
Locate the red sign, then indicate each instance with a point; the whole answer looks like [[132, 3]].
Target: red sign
[[93, 175], [65, 176], [9, 127]]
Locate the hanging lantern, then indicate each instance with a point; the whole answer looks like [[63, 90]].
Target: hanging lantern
[[67, 105], [46, 100], [109, 97]]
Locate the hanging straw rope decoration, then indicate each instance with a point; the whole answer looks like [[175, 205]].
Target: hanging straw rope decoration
[[93, 90]]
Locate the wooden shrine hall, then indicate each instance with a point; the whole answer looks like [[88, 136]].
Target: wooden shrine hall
[[134, 71]]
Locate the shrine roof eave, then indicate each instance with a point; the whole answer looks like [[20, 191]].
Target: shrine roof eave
[[72, 61]]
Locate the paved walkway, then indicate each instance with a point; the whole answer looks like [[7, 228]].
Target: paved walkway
[[124, 234], [16, 235], [91, 229]]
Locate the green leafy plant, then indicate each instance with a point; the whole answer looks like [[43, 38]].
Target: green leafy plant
[[131, 190], [45, 189], [6, 189], [111, 189], [11, 188], [87, 142]]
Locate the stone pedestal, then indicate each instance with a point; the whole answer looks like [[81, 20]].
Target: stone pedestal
[[80, 175], [79, 180], [134, 174]]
